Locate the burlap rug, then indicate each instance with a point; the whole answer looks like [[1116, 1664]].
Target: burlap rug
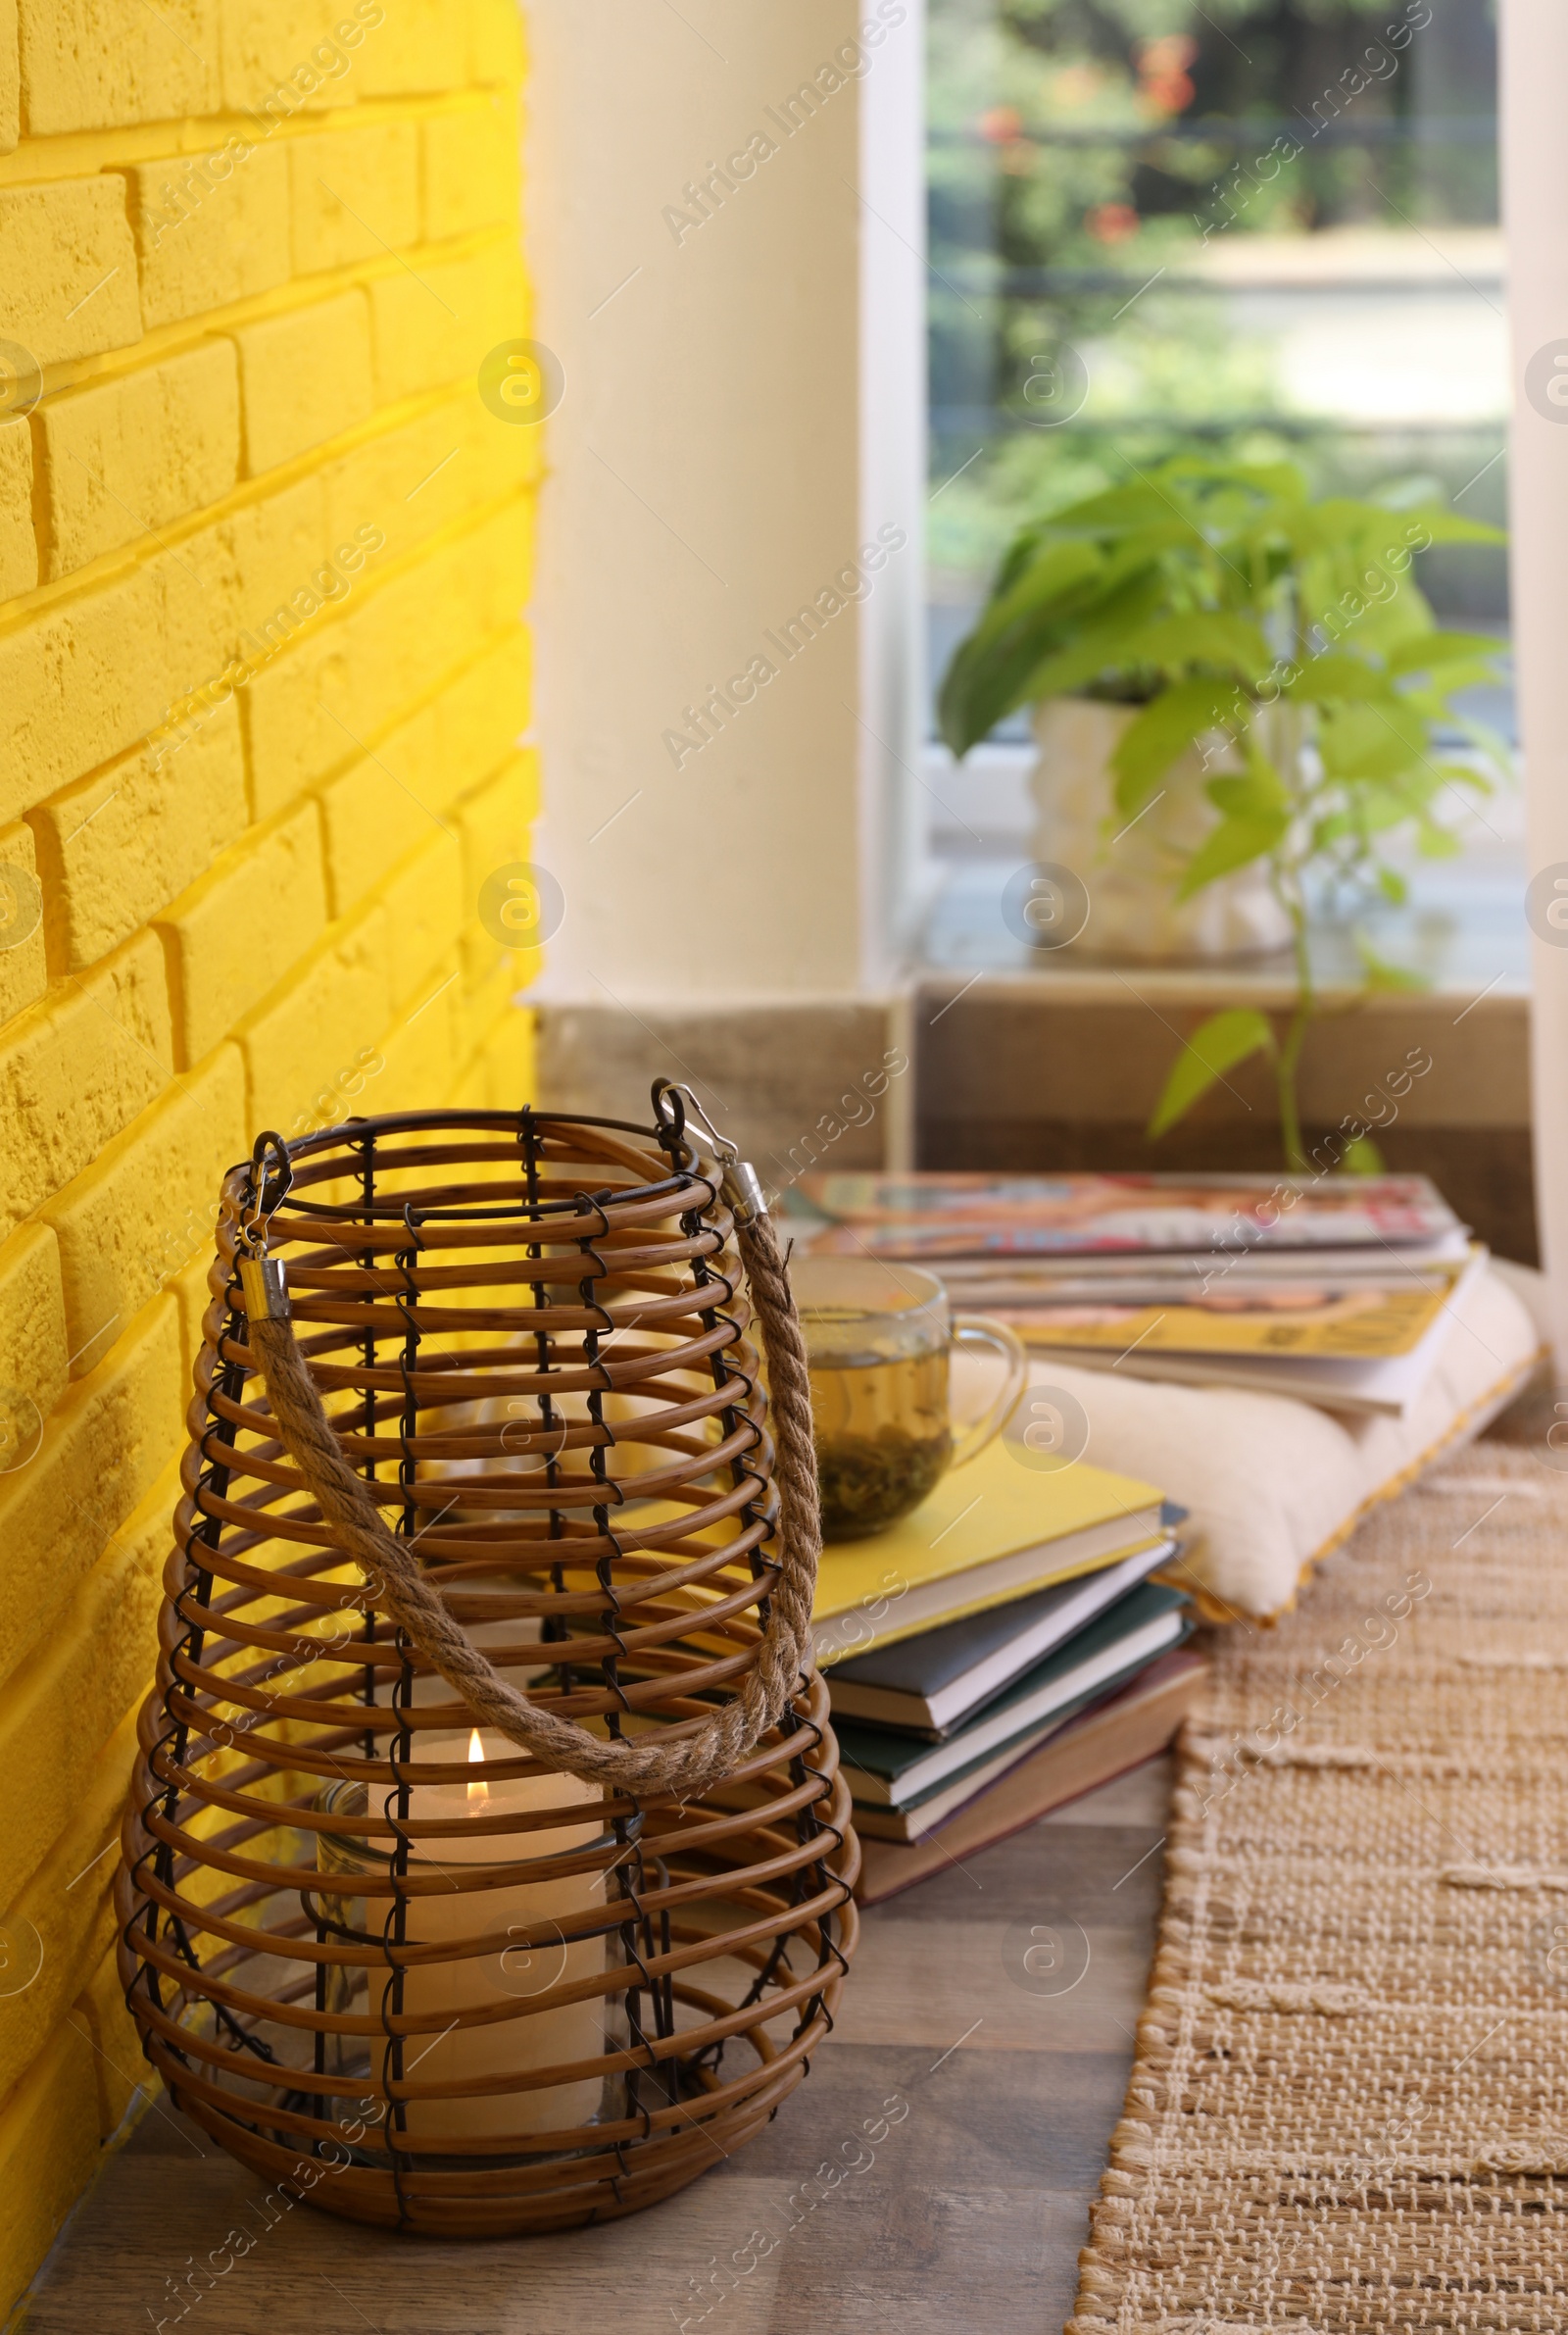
[[1350, 2108]]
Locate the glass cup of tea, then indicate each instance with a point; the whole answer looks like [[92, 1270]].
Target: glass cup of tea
[[878, 1338]]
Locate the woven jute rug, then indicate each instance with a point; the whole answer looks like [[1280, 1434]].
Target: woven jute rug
[[1350, 2105]]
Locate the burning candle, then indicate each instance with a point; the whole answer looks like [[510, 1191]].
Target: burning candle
[[513, 1972]]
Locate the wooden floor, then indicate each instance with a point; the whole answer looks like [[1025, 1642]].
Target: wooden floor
[[969, 2215]]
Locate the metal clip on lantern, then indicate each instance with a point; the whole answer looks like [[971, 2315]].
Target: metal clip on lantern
[[488, 1866]]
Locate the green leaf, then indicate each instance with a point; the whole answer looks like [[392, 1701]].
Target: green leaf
[[1382, 976], [1393, 887], [1257, 792], [1447, 526], [1176, 643], [989, 674], [1424, 651], [1164, 730], [1100, 643], [1362, 1158], [1333, 677], [1234, 843], [1371, 743], [1224, 1040]]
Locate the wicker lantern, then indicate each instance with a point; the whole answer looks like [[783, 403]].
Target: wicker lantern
[[488, 1866]]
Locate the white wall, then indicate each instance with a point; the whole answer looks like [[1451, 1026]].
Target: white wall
[[708, 481], [1535, 157]]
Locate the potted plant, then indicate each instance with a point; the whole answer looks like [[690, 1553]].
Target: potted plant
[[1253, 679]]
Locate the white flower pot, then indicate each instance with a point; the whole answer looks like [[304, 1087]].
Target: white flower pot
[[1130, 870]]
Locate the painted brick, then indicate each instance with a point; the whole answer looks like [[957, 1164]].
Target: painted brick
[[125, 457], [329, 586], [118, 2066], [422, 1044], [235, 934], [257, 559], [190, 1293], [500, 565], [48, 2150], [304, 376], [103, 1450], [410, 481], [356, 1086], [116, 848], [472, 168], [66, 1908], [356, 194], [423, 903], [146, 1205], [129, 991], [336, 689], [68, 269], [24, 973], [120, 2069], [91, 64], [352, 630], [270, 588], [18, 545], [491, 971], [470, 1088], [487, 707], [203, 240], [336, 1006], [438, 329], [489, 985], [283, 57], [392, 799], [493, 823], [60, 1714], [496, 38], [508, 1054], [9, 79], [419, 48], [32, 1319], [74, 1071], [372, 817], [87, 679], [415, 480]]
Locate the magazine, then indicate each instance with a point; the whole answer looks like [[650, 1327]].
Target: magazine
[[923, 1217], [1351, 1322]]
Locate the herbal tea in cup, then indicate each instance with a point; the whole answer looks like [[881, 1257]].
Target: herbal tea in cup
[[878, 1338]]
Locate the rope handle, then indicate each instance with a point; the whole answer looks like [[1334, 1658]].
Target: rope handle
[[678, 1762]]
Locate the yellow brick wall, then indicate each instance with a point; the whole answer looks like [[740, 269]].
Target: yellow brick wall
[[263, 680]]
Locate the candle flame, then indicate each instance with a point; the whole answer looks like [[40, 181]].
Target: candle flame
[[478, 1789]]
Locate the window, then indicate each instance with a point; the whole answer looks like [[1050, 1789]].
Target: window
[[1266, 229]]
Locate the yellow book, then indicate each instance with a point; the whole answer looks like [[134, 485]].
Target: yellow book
[[993, 1530]]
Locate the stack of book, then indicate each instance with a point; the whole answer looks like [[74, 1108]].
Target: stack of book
[[999, 1650], [1337, 1289]]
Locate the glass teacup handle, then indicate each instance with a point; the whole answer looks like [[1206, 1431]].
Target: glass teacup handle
[[978, 1329]]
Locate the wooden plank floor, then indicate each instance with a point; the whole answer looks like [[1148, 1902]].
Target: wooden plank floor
[[969, 2215]]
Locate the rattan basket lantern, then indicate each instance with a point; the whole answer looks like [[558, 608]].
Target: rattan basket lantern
[[488, 1868]]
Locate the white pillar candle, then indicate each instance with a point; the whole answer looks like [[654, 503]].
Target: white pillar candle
[[512, 1974]]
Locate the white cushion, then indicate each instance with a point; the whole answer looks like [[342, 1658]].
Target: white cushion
[[1272, 1484]]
